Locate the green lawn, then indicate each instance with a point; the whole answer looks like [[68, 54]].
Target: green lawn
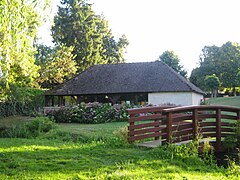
[[104, 130], [53, 159], [13, 120], [227, 101], [107, 158]]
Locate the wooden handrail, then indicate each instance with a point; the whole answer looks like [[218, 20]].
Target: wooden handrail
[[164, 121]]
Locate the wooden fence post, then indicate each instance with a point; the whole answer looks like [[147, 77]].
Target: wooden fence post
[[238, 115], [195, 123], [169, 127], [129, 130], [157, 120], [218, 129]]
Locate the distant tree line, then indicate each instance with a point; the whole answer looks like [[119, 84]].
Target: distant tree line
[[222, 62]]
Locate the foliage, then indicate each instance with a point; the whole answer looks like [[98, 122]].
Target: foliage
[[77, 25], [91, 113], [44, 54], [207, 153], [172, 60], [223, 61], [56, 67], [233, 141], [31, 129], [213, 83], [122, 133], [18, 28], [22, 101]]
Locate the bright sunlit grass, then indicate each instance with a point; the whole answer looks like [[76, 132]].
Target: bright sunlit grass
[[48, 159]]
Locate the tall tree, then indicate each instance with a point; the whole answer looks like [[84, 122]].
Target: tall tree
[[58, 66], [172, 60], [18, 28], [223, 61], [44, 54], [77, 25], [213, 83]]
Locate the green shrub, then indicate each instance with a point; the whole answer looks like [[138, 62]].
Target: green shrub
[[22, 101], [233, 141], [122, 134], [91, 113], [34, 128]]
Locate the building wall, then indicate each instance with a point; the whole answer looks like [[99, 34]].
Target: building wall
[[177, 98], [196, 98]]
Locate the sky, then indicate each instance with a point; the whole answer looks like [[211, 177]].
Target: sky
[[154, 26]]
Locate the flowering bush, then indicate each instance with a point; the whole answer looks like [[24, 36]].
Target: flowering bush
[[91, 113]]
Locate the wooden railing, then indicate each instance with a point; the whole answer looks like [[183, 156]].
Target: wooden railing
[[177, 124]]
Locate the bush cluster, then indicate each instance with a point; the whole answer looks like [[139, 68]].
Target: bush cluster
[[91, 113], [233, 141], [32, 129], [22, 101]]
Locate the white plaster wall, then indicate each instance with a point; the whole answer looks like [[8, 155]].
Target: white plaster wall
[[177, 98], [196, 98]]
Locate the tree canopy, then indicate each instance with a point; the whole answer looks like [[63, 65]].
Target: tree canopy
[[77, 25], [19, 21], [212, 82], [58, 66], [222, 61], [172, 60]]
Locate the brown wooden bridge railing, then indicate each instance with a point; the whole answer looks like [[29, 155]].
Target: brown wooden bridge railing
[[177, 124]]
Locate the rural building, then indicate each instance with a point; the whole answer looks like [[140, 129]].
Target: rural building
[[151, 82]]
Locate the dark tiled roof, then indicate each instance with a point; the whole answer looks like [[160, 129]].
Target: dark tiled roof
[[126, 78]]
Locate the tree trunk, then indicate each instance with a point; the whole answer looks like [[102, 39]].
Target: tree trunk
[[212, 93], [234, 91], [215, 93]]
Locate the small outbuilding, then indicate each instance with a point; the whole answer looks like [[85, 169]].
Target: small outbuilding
[[147, 82]]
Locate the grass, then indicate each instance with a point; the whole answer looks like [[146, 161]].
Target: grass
[[108, 158], [104, 130], [13, 120], [47, 159], [227, 101]]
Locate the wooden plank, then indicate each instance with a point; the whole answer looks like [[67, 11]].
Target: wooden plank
[[145, 136], [182, 117], [227, 124], [147, 109], [206, 135], [182, 126], [182, 138], [144, 125], [183, 132], [146, 130], [225, 129], [145, 117], [208, 129], [201, 108], [225, 134], [205, 116], [204, 124], [225, 116]]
